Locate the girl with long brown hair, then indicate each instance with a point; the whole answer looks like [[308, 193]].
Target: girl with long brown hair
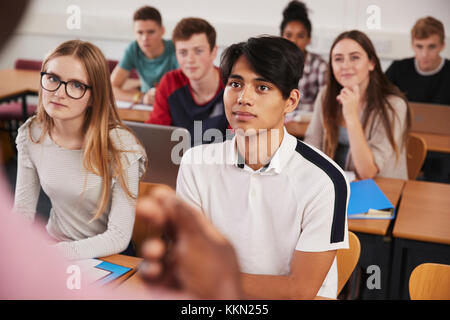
[[360, 119], [77, 149]]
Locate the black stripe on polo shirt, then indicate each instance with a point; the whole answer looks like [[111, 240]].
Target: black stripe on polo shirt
[[340, 189], [263, 169], [241, 161]]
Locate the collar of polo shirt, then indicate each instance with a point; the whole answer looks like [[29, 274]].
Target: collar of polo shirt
[[276, 163]]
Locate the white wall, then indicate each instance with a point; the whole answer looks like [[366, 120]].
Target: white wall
[[108, 23]]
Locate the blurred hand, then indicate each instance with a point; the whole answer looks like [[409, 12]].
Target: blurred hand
[[194, 258], [149, 97], [349, 97]]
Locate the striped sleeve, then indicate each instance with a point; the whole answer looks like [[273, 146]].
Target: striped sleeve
[[324, 224]]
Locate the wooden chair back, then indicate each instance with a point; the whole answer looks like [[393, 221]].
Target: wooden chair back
[[26, 64], [347, 259], [416, 153], [113, 63], [430, 281]]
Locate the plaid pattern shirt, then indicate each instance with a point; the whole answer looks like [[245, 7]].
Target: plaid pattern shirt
[[314, 78]]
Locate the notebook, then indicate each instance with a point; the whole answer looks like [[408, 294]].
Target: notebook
[[430, 118], [367, 201], [164, 145]]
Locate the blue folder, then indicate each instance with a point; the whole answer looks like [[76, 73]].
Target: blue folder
[[115, 269], [367, 201]]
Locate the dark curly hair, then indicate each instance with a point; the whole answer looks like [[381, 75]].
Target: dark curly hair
[[296, 11]]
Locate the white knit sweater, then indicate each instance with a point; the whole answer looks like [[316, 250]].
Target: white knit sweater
[[74, 193]]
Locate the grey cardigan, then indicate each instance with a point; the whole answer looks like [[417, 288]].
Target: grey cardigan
[[383, 153]]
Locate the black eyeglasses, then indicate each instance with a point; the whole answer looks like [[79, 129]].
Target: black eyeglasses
[[74, 89]]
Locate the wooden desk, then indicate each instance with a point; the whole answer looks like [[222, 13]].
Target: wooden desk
[[136, 284], [424, 213], [17, 82], [134, 115], [125, 261], [375, 239], [421, 231], [435, 142], [431, 122]]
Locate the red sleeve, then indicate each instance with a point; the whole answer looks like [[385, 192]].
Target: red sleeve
[[161, 113]]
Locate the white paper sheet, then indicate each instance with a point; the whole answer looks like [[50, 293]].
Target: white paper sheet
[[89, 272]]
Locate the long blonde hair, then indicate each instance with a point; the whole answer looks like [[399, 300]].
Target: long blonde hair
[[100, 156]]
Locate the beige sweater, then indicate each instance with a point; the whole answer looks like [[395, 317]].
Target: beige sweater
[[383, 153], [62, 176]]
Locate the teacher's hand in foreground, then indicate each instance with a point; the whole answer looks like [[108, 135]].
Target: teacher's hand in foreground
[[192, 257]]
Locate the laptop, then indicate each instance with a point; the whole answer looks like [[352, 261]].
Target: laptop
[[165, 146], [430, 118]]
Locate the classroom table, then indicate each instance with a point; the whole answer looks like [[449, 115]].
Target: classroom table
[[137, 284], [421, 231], [430, 121], [435, 142], [134, 115], [376, 242], [17, 84]]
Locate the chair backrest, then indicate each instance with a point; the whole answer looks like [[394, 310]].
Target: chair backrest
[[28, 64], [416, 152], [112, 64], [347, 259], [141, 230], [430, 281]]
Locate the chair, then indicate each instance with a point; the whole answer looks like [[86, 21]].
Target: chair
[[347, 259], [141, 231], [25, 64], [416, 152], [112, 64], [430, 281]]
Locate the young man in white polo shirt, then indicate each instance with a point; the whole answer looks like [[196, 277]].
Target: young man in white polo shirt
[[283, 207]]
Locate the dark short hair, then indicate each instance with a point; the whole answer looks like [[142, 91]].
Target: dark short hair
[[276, 59], [187, 27], [148, 13]]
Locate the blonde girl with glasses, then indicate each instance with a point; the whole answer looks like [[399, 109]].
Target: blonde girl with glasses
[[77, 149]]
